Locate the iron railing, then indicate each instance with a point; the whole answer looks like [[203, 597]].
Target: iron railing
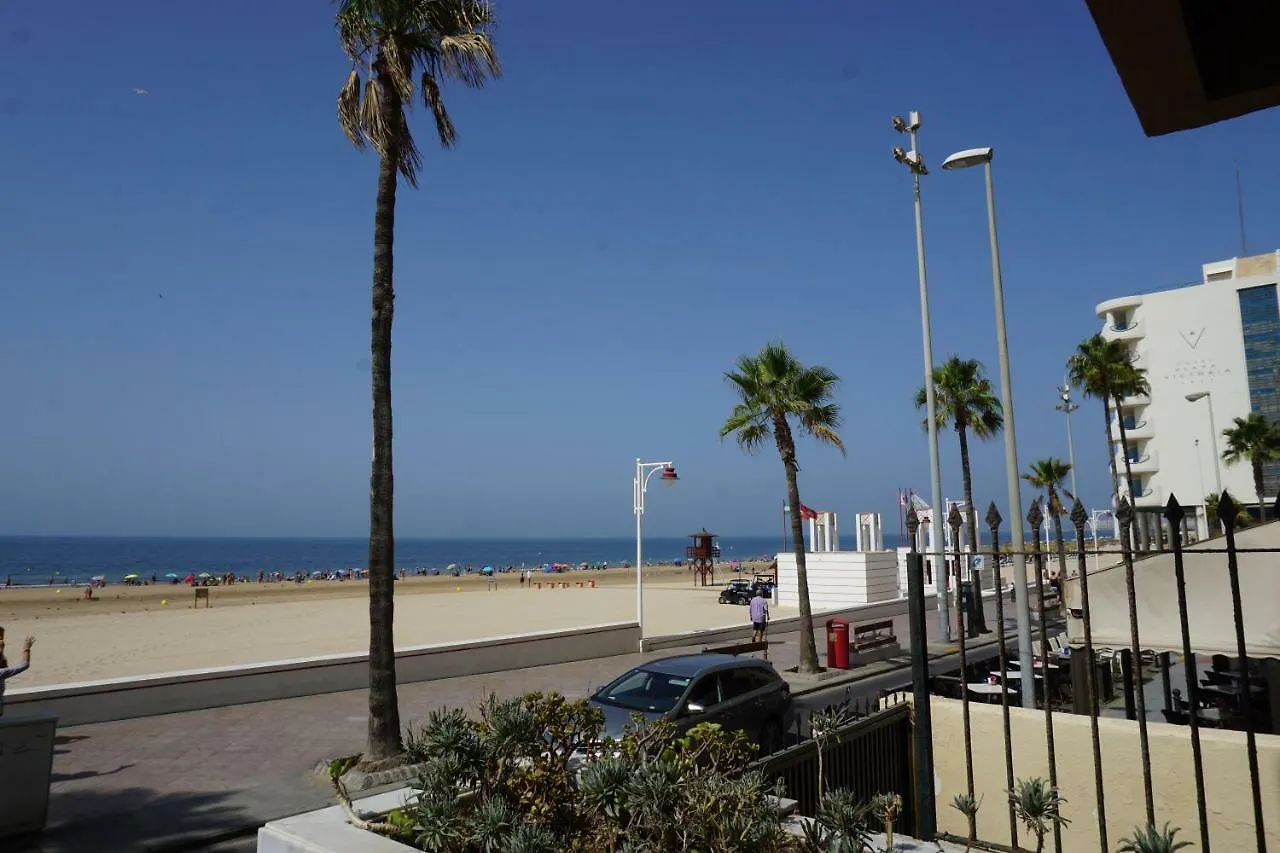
[[869, 756], [1242, 705]]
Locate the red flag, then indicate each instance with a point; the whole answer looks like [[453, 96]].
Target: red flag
[[806, 513]]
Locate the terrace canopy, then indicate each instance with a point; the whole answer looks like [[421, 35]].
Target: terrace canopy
[[1189, 63], [1209, 606]]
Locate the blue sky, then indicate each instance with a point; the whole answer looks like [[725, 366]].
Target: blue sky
[[651, 190]]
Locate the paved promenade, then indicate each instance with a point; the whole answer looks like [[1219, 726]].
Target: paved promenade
[[181, 781]]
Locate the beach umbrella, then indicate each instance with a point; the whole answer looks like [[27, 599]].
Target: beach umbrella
[[131, 577], [98, 578], [171, 575], [451, 567], [317, 573], [488, 570], [204, 575]]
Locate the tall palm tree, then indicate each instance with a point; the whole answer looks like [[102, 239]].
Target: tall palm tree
[[1104, 370], [778, 395], [1258, 440], [389, 43], [964, 399], [1048, 474]]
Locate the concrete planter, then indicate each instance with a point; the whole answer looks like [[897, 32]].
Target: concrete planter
[[26, 758]]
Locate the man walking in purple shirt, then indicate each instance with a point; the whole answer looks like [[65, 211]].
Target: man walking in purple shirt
[[759, 615]]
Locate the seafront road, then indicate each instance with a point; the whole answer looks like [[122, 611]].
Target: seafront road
[[205, 780]]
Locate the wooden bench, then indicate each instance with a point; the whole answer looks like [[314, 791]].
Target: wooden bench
[[871, 642], [872, 635]]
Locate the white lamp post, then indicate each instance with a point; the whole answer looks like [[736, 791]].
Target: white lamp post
[[1213, 439], [1213, 446], [915, 163], [963, 160], [645, 470]]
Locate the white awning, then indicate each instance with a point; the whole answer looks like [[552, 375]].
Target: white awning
[[1209, 609]]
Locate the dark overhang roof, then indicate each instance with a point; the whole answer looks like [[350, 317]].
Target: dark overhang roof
[[1188, 63]]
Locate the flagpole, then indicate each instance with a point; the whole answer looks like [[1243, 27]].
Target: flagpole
[[784, 525]]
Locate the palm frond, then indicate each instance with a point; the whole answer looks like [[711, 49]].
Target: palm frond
[[469, 58], [349, 110], [435, 103]]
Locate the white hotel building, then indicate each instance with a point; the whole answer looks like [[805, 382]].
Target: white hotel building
[[1221, 336]]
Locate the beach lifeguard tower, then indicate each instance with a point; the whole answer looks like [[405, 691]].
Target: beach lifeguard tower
[[702, 556]]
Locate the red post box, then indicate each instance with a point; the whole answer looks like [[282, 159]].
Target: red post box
[[838, 643]]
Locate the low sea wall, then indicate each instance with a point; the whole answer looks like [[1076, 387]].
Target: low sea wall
[[172, 692], [856, 615]]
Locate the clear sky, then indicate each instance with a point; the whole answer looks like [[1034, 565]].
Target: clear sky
[[651, 190]]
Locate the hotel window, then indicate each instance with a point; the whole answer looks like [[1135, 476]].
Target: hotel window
[[1260, 327]]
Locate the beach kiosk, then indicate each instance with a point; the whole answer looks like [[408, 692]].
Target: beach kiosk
[[702, 556]]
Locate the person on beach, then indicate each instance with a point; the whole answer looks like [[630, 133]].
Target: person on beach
[[6, 671], [759, 615]]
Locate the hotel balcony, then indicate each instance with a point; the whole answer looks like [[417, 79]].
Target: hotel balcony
[[1139, 463], [1133, 428], [1135, 401], [1125, 330]]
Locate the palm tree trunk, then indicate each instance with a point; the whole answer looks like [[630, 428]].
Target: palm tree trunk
[[1055, 507], [384, 709], [1128, 466], [787, 449], [1111, 454], [968, 489], [1256, 463]]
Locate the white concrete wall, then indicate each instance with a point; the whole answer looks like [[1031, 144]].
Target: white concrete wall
[[840, 578], [1188, 339], [147, 696]]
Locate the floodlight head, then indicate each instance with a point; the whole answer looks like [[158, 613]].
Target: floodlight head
[[899, 124], [669, 476], [970, 157], [1197, 396], [899, 154]]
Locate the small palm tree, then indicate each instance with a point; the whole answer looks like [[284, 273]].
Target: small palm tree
[[964, 399], [389, 43], [776, 395], [1105, 371], [1048, 474], [1039, 806], [1258, 440], [1152, 840]]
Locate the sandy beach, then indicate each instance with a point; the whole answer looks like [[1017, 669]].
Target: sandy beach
[[129, 631]]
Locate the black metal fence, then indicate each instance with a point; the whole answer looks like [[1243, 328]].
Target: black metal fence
[[1064, 678], [869, 756]]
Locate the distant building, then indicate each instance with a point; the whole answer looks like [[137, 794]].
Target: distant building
[[1222, 336]]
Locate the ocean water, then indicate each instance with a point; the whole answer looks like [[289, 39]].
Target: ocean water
[[41, 559]]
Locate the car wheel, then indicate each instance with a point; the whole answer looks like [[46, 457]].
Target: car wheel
[[770, 737]]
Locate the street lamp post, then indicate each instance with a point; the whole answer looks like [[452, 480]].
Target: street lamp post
[[640, 485], [1067, 406], [915, 163], [963, 160], [1213, 445]]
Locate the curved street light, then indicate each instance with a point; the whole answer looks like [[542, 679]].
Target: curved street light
[[639, 486], [964, 160]]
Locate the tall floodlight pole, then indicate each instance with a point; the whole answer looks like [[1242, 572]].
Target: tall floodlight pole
[[640, 485], [962, 160], [915, 162], [1067, 406]]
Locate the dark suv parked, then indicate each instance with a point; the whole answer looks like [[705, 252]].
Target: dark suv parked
[[738, 693]]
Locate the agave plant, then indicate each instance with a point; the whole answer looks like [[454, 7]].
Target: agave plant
[[968, 806], [1151, 840], [823, 726], [1039, 806], [840, 825]]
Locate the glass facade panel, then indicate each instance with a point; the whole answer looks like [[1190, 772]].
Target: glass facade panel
[[1260, 323]]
